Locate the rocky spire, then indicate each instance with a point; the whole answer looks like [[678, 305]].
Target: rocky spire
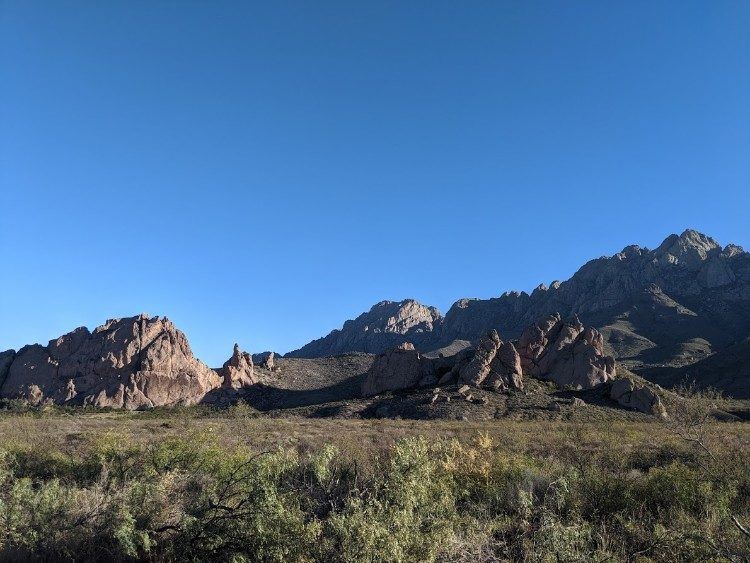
[[237, 371]]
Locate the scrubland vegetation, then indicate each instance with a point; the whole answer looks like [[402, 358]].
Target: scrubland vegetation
[[194, 485]]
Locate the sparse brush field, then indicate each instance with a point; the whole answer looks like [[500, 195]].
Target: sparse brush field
[[200, 485]]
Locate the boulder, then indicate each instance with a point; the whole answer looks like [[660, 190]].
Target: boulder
[[265, 360], [399, 368], [237, 371], [34, 395], [641, 398], [442, 369], [477, 370], [505, 369], [495, 364], [566, 353], [403, 367], [135, 362], [270, 362]]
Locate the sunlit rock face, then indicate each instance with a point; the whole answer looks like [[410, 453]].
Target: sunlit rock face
[[562, 351], [132, 363], [387, 325]]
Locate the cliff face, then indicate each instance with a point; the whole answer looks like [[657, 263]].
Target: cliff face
[[132, 363], [673, 305]]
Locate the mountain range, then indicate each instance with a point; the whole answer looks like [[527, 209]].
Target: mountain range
[[662, 311], [677, 313]]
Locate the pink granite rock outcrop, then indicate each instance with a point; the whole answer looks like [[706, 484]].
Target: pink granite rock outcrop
[[237, 371], [495, 364], [565, 352], [399, 368], [132, 363]]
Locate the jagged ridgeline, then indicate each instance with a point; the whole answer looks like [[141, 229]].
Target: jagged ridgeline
[[659, 312], [679, 311]]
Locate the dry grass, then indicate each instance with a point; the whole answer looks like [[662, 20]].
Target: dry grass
[[534, 437]]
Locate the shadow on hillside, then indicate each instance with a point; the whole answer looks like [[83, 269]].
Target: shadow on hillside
[[266, 397], [667, 324], [597, 396]]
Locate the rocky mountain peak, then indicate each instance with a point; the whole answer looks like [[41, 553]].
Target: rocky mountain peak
[[393, 322], [690, 249], [696, 239], [399, 317], [630, 251], [731, 250]]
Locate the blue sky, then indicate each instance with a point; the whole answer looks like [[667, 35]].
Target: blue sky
[[259, 172]]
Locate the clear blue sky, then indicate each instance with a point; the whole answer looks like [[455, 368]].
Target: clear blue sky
[[261, 171]]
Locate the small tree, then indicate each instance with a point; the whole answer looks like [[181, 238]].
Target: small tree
[[690, 419]]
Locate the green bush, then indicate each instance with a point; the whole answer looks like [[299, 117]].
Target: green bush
[[404, 516], [192, 498]]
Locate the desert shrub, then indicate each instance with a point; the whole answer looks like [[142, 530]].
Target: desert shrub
[[405, 515], [242, 512], [678, 487], [192, 497], [241, 410], [46, 463], [57, 521], [555, 539]]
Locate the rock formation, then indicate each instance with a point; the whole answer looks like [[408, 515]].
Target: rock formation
[[400, 368], [495, 364], [136, 362], [237, 371], [268, 361], [478, 368], [565, 352], [505, 370], [637, 397]]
